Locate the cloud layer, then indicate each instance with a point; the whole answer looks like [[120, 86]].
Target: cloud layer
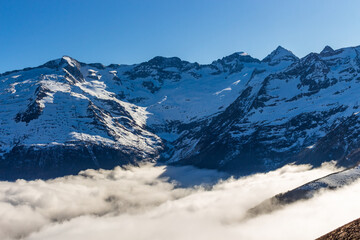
[[152, 202]]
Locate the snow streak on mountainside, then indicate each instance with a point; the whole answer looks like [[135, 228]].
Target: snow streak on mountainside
[[308, 107], [237, 114]]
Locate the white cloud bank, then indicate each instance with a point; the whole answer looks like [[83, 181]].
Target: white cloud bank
[[140, 203]]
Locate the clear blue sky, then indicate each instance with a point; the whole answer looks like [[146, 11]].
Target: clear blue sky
[[131, 31]]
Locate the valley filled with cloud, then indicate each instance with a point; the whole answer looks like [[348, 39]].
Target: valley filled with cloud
[[163, 202]]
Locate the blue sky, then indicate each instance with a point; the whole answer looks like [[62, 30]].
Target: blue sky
[[110, 31]]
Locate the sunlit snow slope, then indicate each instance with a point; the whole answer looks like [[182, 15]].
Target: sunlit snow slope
[[237, 114]]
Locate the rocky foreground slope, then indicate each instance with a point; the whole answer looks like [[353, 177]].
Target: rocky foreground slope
[[350, 231], [237, 114]]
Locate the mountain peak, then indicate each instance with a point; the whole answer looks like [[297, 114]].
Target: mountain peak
[[237, 56], [242, 54], [166, 61], [69, 61], [327, 51], [280, 48], [60, 62], [278, 55]]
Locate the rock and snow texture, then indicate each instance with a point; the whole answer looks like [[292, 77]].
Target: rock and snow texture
[[311, 102], [51, 115], [238, 113]]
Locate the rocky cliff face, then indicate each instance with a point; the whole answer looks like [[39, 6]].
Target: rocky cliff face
[[237, 114], [306, 112]]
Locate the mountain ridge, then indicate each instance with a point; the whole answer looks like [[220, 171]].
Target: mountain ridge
[[237, 114]]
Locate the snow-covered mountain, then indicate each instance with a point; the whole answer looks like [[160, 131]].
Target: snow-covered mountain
[[237, 114], [307, 109]]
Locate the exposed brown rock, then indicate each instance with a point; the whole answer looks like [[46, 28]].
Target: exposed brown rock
[[346, 232]]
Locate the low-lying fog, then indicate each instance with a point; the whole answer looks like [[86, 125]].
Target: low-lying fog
[[158, 202]]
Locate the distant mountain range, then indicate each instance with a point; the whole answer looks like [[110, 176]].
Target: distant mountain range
[[238, 114]]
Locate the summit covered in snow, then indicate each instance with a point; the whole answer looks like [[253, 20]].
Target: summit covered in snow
[[237, 114], [279, 55]]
